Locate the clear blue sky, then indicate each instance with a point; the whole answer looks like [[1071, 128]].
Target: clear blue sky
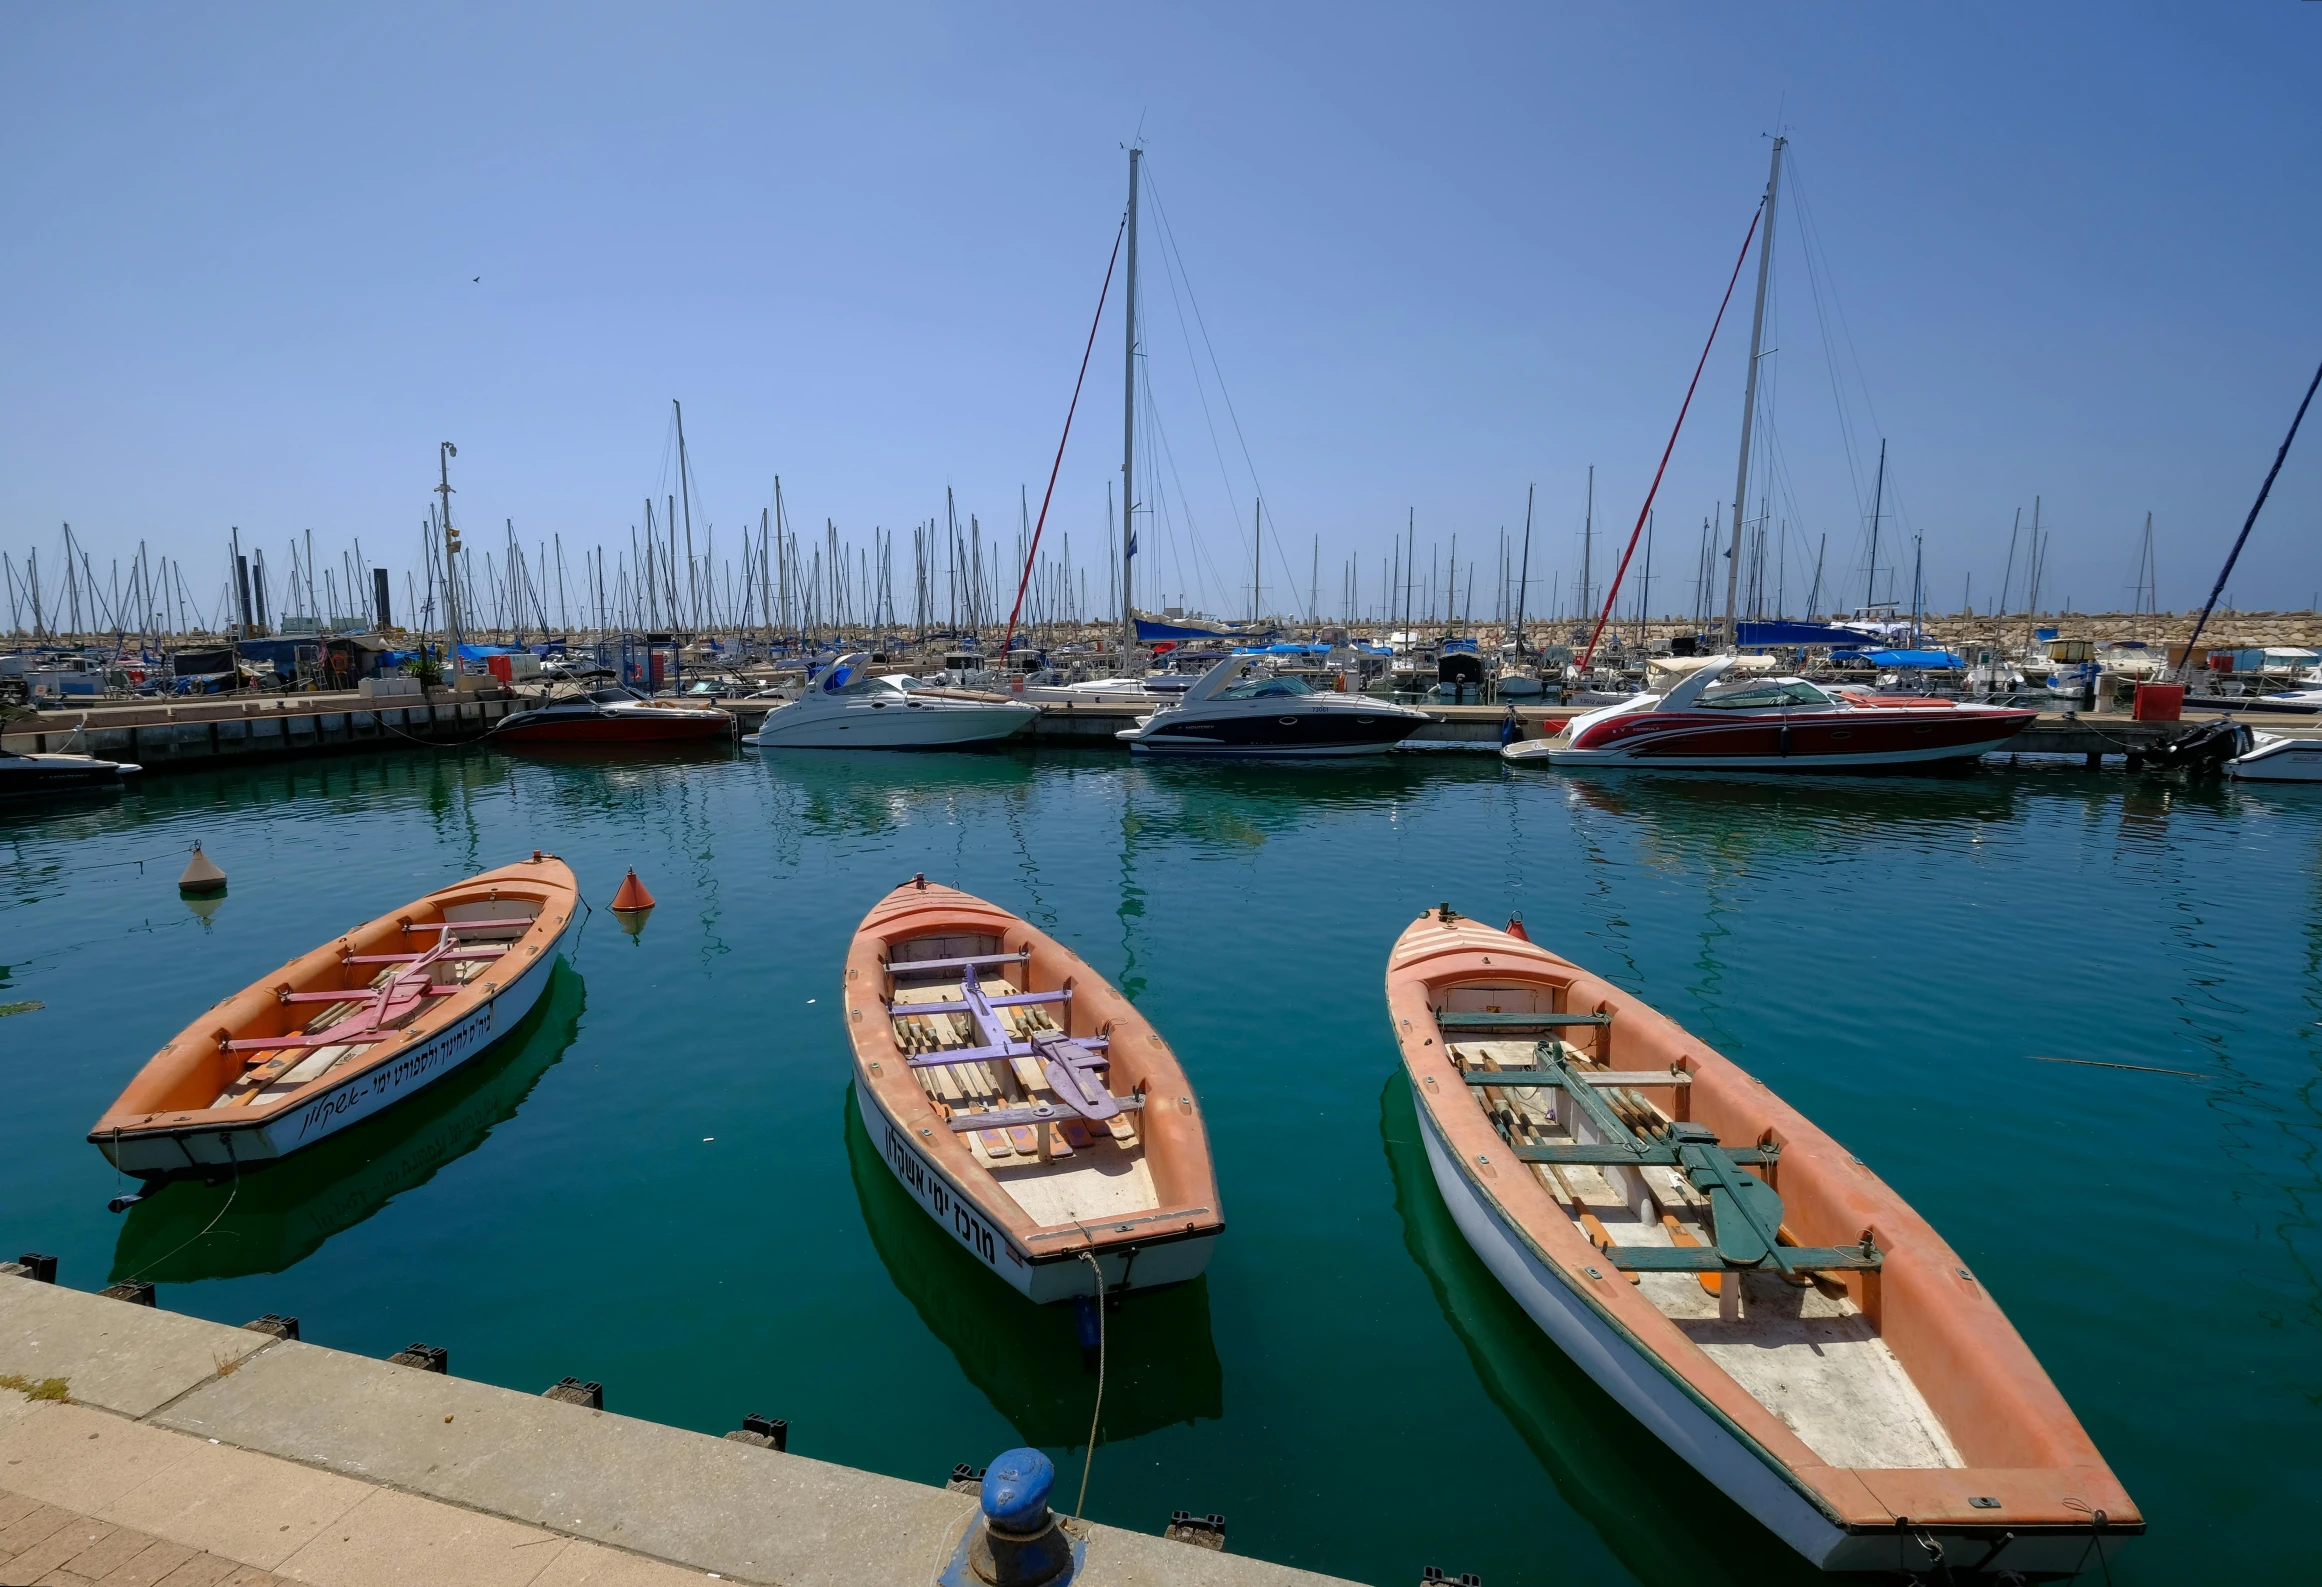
[[1441, 253]]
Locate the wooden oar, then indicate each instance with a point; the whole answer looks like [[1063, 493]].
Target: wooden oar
[[1680, 1235]]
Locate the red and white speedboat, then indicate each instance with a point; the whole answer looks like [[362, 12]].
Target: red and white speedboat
[[1774, 723], [612, 716]]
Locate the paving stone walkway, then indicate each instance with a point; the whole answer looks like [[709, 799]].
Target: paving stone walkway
[[42, 1545]]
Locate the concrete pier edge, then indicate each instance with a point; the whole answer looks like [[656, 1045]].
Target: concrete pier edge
[[203, 735], [660, 1494]]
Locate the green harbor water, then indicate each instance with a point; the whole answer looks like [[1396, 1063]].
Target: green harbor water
[[658, 1182]]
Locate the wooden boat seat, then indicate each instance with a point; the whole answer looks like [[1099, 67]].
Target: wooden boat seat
[[1000, 1095], [1480, 1019], [1744, 1212]]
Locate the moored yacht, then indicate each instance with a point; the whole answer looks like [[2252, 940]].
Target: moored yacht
[[611, 715], [850, 707], [1774, 723], [26, 776], [1240, 707]]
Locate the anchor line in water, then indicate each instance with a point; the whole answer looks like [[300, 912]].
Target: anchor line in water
[[226, 1139], [1088, 1461], [1030, 551], [1646, 511]]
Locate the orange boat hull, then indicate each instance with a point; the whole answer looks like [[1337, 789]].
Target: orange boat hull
[[2008, 1480], [262, 1074], [1045, 1215]]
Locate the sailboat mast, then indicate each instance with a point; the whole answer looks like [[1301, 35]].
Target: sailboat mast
[[1524, 572], [1257, 552], [1587, 544], [685, 495], [1129, 422], [1870, 589], [1741, 488]]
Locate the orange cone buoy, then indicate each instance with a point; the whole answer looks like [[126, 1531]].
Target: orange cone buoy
[[202, 877], [1516, 929], [632, 905]]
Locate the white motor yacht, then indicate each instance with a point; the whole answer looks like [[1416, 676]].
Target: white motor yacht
[[849, 707], [2278, 757], [29, 775], [1240, 707]]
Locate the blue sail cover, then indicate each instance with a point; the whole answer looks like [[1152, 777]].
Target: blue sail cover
[[1148, 631], [1924, 660], [1786, 633]]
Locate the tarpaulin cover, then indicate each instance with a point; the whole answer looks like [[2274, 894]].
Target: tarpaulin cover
[[1148, 631], [1785, 633], [1925, 660]]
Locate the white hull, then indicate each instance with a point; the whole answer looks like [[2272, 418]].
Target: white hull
[[1699, 1436], [1043, 1281], [348, 1103], [894, 727], [2278, 759]]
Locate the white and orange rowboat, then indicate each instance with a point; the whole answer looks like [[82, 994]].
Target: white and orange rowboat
[[1737, 1280], [1023, 1102], [347, 1029]]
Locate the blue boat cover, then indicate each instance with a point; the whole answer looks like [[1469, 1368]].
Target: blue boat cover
[[1787, 633], [1925, 660], [1148, 631]]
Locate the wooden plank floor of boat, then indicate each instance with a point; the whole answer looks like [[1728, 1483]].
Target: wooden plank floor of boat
[[1809, 1356], [1093, 1171]]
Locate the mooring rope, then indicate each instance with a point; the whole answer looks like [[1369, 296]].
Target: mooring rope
[[227, 1141], [1097, 1410]]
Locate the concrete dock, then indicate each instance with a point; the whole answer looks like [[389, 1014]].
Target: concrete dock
[[145, 1449], [204, 733]]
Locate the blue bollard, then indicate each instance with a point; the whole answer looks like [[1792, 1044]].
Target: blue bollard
[[1020, 1543]]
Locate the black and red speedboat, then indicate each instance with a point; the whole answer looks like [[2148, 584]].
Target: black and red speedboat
[[1774, 723]]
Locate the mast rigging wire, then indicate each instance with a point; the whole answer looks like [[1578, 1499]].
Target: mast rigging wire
[[2218, 589], [1031, 551], [1631, 550]]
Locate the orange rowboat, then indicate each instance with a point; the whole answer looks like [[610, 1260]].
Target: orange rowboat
[[1737, 1280], [1023, 1102], [350, 1028]]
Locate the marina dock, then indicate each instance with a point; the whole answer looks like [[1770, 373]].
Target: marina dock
[[157, 1448], [205, 733]]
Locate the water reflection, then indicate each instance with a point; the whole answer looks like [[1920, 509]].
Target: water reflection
[[1661, 1519], [1736, 817], [276, 1217], [1240, 805], [1161, 1364], [870, 792]]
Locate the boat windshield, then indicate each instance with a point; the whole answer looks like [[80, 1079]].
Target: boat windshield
[[1264, 689], [615, 696], [1762, 695], [867, 684]]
